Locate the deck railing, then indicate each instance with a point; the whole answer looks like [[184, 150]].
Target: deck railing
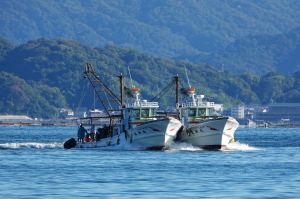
[[204, 104], [143, 104]]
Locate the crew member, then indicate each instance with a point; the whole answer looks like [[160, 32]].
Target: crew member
[[81, 133]]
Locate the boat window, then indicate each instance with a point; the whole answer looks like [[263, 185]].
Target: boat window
[[201, 112], [145, 112], [192, 112], [136, 113], [184, 112], [153, 112]]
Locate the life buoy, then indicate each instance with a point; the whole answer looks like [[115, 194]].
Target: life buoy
[[87, 139]]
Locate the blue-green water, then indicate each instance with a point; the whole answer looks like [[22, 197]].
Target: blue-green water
[[264, 163]]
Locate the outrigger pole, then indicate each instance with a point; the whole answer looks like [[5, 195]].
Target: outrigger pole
[[105, 94]]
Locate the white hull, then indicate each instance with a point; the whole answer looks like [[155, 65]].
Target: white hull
[[211, 133], [112, 141], [156, 134]]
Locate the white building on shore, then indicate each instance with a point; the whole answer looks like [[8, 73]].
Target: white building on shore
[[14, 119]]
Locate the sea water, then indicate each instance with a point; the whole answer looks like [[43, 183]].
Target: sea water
[[263, 163]]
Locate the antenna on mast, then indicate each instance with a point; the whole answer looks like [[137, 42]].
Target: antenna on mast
[[187, 77], [130, 77]]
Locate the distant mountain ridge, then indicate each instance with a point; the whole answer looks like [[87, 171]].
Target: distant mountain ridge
[[167, 29], [257, 54], [42, 76]]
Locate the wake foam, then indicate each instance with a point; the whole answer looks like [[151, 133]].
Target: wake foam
[[33, 145], [237, 146], [178, 146], [183, 146], [124, 146]]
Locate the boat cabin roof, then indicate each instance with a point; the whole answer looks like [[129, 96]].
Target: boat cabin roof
[[142, 104], [198, 105]]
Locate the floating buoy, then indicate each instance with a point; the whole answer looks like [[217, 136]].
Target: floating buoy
[[87, 139]]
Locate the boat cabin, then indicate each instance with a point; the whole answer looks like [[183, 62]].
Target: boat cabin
[[196, 109], [139, 112]]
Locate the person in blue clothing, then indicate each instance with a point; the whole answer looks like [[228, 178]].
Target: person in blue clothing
[[81, 133]]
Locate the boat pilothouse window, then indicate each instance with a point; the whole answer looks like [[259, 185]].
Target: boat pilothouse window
[[136, 113], [201, 112], [145, 113], [192, 112], [153, 112]]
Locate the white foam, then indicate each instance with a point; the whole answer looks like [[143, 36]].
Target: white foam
[[123, 146], [237, 146], [31, 145], [183, 146], [178, 146]]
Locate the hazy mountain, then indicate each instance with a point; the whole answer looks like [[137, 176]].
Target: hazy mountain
[[43, 75], [168, 28], [257, 54]]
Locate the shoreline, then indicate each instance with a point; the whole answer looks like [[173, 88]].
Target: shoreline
[[75, 124], [43, 124], [270, 126]]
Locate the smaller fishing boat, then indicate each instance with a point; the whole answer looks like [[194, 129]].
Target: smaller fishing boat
[[136, 123]]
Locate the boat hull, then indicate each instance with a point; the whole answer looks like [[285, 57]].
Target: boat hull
[[105, 142], [156, 134], [212, 134]]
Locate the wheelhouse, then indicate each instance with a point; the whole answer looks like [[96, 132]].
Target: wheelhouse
[[196, 111]]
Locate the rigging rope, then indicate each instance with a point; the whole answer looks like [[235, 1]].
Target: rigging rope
[[187, 76], [163, 92], [130, 77], [84, 88]]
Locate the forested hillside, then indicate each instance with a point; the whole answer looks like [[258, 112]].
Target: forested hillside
[[43, 75], [257, 54], [35, 100], [168, 28]]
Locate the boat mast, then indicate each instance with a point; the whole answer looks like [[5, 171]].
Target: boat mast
[[177, 81], [121, 78]]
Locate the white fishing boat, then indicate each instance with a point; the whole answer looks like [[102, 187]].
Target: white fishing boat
[[145, 128], [203, 129], [135, 123]]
